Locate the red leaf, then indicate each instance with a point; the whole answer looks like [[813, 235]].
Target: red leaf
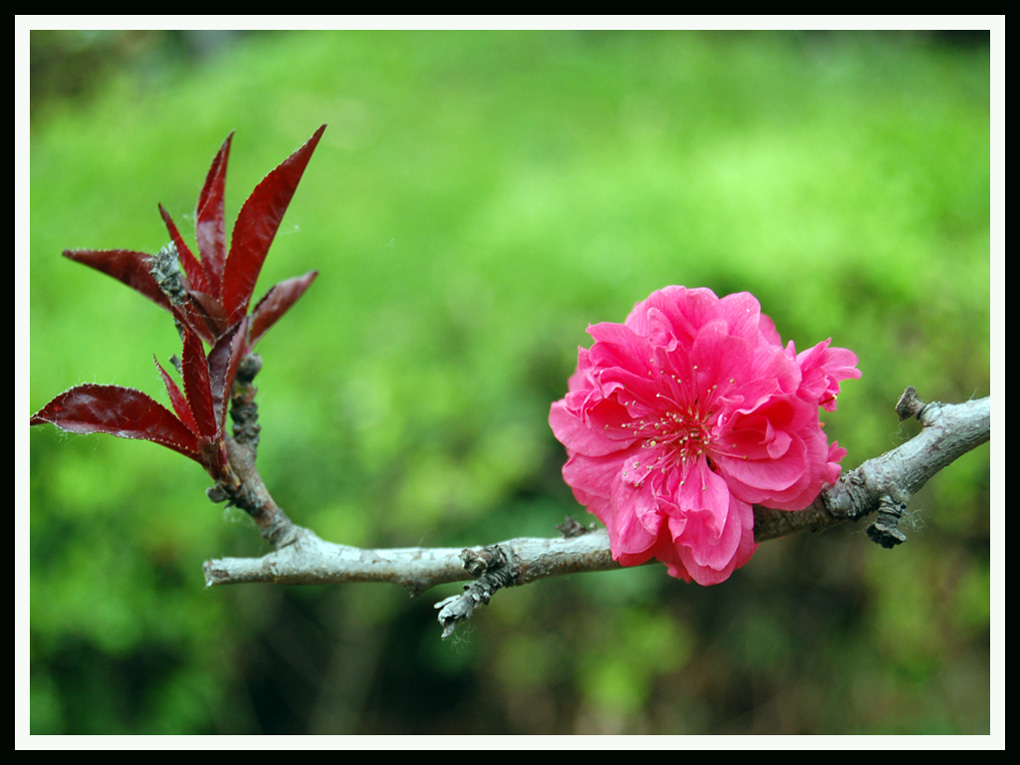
[[192, 268], [224, 359], [209, 229], [256, 227], [195, 371], [177, 399], [131, 268], [122, 412], [277, 302], [214, 319], [192, 314], [213, 456]]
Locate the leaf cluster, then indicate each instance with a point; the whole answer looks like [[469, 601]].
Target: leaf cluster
[[208, 297]]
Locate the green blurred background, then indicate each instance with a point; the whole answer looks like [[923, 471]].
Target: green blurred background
[[476, 201]]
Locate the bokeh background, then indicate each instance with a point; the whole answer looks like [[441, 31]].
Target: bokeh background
[[477, 200]]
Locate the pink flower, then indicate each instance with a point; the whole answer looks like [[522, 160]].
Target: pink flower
[[680, 419]]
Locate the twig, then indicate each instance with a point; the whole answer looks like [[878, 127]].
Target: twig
[[884, 483], [950, 431], [310, 560], [246, 490]]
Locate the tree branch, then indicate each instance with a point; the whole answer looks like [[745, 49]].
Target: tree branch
[[949, 431], [884, 484], [246, 489]]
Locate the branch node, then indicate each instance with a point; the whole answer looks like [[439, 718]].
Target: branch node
[[165, 269], [909, 404], [571, 528], [217, 493], [884, 531], [496, 566], [244, 412], [250, 366], [477, 562]]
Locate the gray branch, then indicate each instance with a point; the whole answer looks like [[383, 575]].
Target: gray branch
[[311, 560], [882, 485], [888, 482]]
